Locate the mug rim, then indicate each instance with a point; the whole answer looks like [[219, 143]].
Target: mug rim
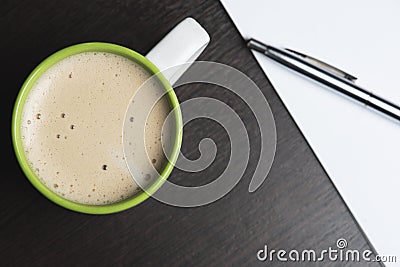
[[16, 124]]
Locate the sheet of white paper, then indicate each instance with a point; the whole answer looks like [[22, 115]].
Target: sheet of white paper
[[358, 147]]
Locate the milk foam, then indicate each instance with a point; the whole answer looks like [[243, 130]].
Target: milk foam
[[72, 125]]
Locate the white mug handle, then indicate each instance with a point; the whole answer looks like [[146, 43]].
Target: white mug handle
[[183, 44]]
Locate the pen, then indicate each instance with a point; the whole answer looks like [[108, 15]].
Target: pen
[[327, 75]]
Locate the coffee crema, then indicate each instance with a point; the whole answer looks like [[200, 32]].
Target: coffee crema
[[72, 125]]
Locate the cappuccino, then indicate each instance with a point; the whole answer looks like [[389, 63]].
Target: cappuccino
[[72, 127]]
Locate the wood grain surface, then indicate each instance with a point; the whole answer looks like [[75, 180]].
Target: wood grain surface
[[297, 207]]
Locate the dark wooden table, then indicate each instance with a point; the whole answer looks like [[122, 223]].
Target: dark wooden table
[[296, 208]]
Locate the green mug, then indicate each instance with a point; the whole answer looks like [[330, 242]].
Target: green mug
[[182, 45]]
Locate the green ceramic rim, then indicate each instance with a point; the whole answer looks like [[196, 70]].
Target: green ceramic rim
[[16, 121]]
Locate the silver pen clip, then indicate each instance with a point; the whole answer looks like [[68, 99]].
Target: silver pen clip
[[326, 66]]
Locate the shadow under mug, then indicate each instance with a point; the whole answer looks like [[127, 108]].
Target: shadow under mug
[[188, 39]]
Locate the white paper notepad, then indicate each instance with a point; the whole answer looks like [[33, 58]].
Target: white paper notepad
[[359, 148]]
